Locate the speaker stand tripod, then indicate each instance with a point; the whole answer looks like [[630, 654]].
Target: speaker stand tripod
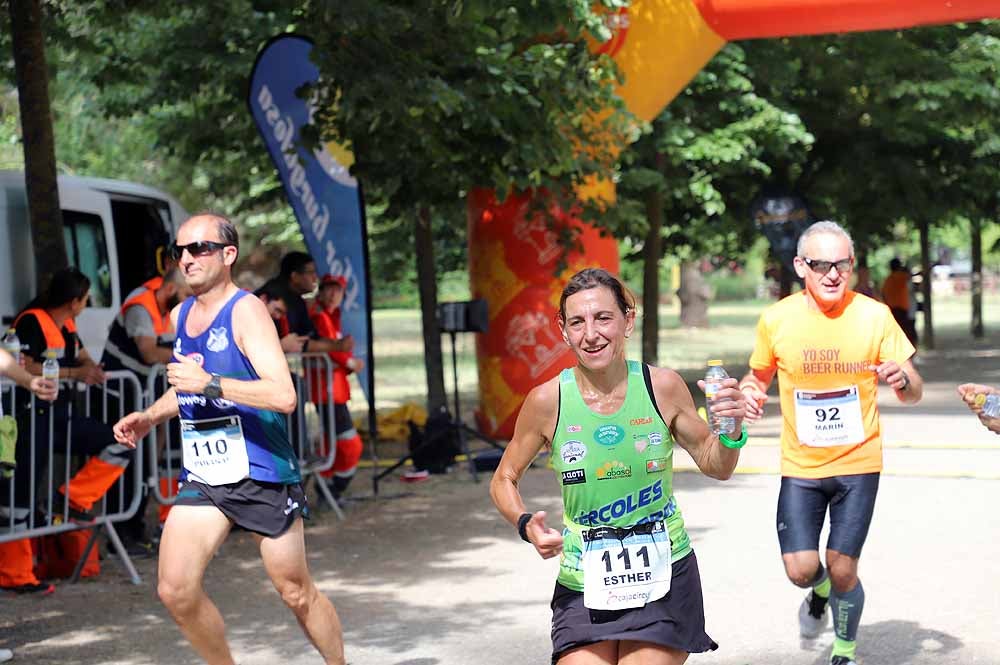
[[455, 427]]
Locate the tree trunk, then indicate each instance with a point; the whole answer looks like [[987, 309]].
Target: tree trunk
[[693, 294], [786, 277], [39, 144], [423, 241], [925, 284], [977, 278], [652, 251]]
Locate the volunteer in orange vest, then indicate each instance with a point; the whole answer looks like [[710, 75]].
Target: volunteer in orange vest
[[325, 314], [829, 347], [896, 294], [140, 337], [49, 324]]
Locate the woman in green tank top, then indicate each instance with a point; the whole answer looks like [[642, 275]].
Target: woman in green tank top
[[628, 588]]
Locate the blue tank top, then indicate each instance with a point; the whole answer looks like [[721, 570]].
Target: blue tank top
[[272, 457]]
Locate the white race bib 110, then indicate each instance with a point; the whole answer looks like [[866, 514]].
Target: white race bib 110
[[829, 418], [625, 568], [215, 452]]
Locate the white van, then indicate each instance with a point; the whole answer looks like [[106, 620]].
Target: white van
[[117, 233]]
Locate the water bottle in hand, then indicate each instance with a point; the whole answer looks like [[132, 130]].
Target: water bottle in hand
[[12, 345], [713, 383], [50, 369], [990, 404]]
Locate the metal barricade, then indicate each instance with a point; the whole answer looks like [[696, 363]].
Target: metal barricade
[[312, 426], [309, 426], [31, 501]]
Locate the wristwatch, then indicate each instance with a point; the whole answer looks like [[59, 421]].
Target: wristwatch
[[214, 388]]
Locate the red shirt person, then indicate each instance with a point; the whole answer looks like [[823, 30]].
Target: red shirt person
[[325, 313]]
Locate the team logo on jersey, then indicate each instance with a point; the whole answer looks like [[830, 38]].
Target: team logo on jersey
[[573, 429], [198, 358], [613, 470], [609, 435], [641, 443], [223, 403], [574, 477], [658, 465], [177, 346], [655, 438], [191, 400], [218, 340], [573, 452], [648, 420]]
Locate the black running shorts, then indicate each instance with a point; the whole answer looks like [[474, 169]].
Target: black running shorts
[[268, 509], [677, 620]]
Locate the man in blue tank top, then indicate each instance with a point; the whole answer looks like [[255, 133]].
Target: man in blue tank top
[[231, 387]]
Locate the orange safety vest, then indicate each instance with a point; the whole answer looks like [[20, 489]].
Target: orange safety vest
[[147, 299], [53, 335]]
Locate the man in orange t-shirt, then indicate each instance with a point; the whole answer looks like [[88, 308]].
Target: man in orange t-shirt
[[829, 346]]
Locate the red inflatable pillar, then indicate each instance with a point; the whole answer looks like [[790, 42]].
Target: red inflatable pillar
[[514, 257]]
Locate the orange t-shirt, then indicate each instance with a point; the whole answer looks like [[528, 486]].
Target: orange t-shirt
[[896, 290], [826, 357]]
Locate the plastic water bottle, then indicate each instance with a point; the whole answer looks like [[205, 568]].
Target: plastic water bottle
[[713, 383], [50, 368], [12, 344], [991, 405]]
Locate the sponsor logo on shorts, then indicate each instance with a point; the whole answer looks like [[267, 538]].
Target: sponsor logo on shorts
[[655, 438], [658, 465], [609, 435], [573, 429], [648, 420], [191, 400], [613, 470], [574, 477], [573, 452], [292, 505]]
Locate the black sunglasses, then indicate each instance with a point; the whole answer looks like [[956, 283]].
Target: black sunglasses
[[823, 267], [200, 248]]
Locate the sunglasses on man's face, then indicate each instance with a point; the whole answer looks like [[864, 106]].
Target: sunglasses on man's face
[[823, 267], [200, 248]]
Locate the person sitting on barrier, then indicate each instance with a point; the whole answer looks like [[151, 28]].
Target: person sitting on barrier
[[140, 337], [297, 277], [325, 313], [48, 324], [290, 342]]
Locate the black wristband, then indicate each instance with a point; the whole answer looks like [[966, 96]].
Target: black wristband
[[522, 526]]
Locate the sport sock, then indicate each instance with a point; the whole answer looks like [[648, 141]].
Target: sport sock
[[847, 608]]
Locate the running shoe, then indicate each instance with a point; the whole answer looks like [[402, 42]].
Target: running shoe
[[76, 515], [842, 660], [812, 616], [41, 588]]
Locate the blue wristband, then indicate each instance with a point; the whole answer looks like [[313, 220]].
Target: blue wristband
[[738, 443]]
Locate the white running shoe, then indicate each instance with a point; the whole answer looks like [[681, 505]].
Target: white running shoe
[[813, 616]]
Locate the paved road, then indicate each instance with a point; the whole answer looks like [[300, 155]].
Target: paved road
[[434, 577]]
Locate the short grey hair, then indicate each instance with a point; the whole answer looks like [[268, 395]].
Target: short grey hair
[[826, 226]]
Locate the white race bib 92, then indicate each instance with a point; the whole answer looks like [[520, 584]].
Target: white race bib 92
[[625, 568], [215, 452], [829, 418]]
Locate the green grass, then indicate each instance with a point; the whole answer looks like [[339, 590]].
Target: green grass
[[399, 353]]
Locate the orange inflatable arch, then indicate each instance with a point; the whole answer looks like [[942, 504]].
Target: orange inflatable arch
[[659, 45]]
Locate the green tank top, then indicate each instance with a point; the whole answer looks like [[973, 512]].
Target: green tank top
[[615, 470]]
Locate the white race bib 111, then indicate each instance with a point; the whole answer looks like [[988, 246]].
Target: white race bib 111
[[829, 417], [215, 452], [625, 568]]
